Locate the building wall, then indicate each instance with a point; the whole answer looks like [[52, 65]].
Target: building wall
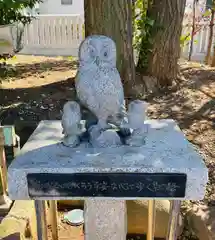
[[55, 7]]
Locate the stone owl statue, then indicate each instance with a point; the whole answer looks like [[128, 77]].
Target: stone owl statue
[[137, 114], [98, 83], [71, 123], [136, 118]]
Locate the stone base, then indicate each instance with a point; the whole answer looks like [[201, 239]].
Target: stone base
[[5, 204], [160, 154], [105, 219]]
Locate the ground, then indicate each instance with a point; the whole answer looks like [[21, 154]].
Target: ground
[[192, 105], [66, 231], [37, 88]]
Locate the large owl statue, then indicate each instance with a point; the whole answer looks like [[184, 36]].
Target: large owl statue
[[98, 83]]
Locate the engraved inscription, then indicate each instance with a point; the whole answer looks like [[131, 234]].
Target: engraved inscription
[[107, 185], [103, 186]]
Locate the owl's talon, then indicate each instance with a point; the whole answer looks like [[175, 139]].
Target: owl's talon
[[71, 141]]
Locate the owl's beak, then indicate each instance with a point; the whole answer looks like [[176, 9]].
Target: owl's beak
[[97, 61]]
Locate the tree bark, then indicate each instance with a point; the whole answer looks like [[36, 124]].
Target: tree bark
[[210, 39], [165, 35], [212, 26], [114, 19]]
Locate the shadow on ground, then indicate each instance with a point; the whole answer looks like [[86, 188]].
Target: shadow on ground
[[26, 107], [140, 237], [15, 236], [10, 97], [23, 70]]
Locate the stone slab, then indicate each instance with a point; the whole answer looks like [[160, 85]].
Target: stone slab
[[166, 151]]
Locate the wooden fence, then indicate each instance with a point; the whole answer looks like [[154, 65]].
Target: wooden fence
[[58, 35]]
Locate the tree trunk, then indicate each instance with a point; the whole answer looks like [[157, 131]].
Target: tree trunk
[[213, 60], [165, 46], [210, 39], [212, 26], [114, 19], [193, 31]]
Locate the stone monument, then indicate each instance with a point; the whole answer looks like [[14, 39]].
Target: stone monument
[[120, 156], [99, 88]]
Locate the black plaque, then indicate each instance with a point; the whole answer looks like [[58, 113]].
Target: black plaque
[[157, 185]]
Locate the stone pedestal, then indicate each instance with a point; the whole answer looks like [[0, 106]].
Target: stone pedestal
[[105, 219], [165, 167]]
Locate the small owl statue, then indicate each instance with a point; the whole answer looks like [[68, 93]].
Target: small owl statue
[[71, 123], [137, 114], [98, 83], [136, 120]]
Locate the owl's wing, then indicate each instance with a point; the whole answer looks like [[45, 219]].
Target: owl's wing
[[70, 127], [80, 88], [85, 91], [120, 88], [65, 124]]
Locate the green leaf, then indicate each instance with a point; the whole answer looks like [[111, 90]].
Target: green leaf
[[150, 22], [207, 13], [12, 11], [70, 58]]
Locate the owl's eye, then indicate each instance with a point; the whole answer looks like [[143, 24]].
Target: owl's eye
[[105, 54], [92, 52]]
